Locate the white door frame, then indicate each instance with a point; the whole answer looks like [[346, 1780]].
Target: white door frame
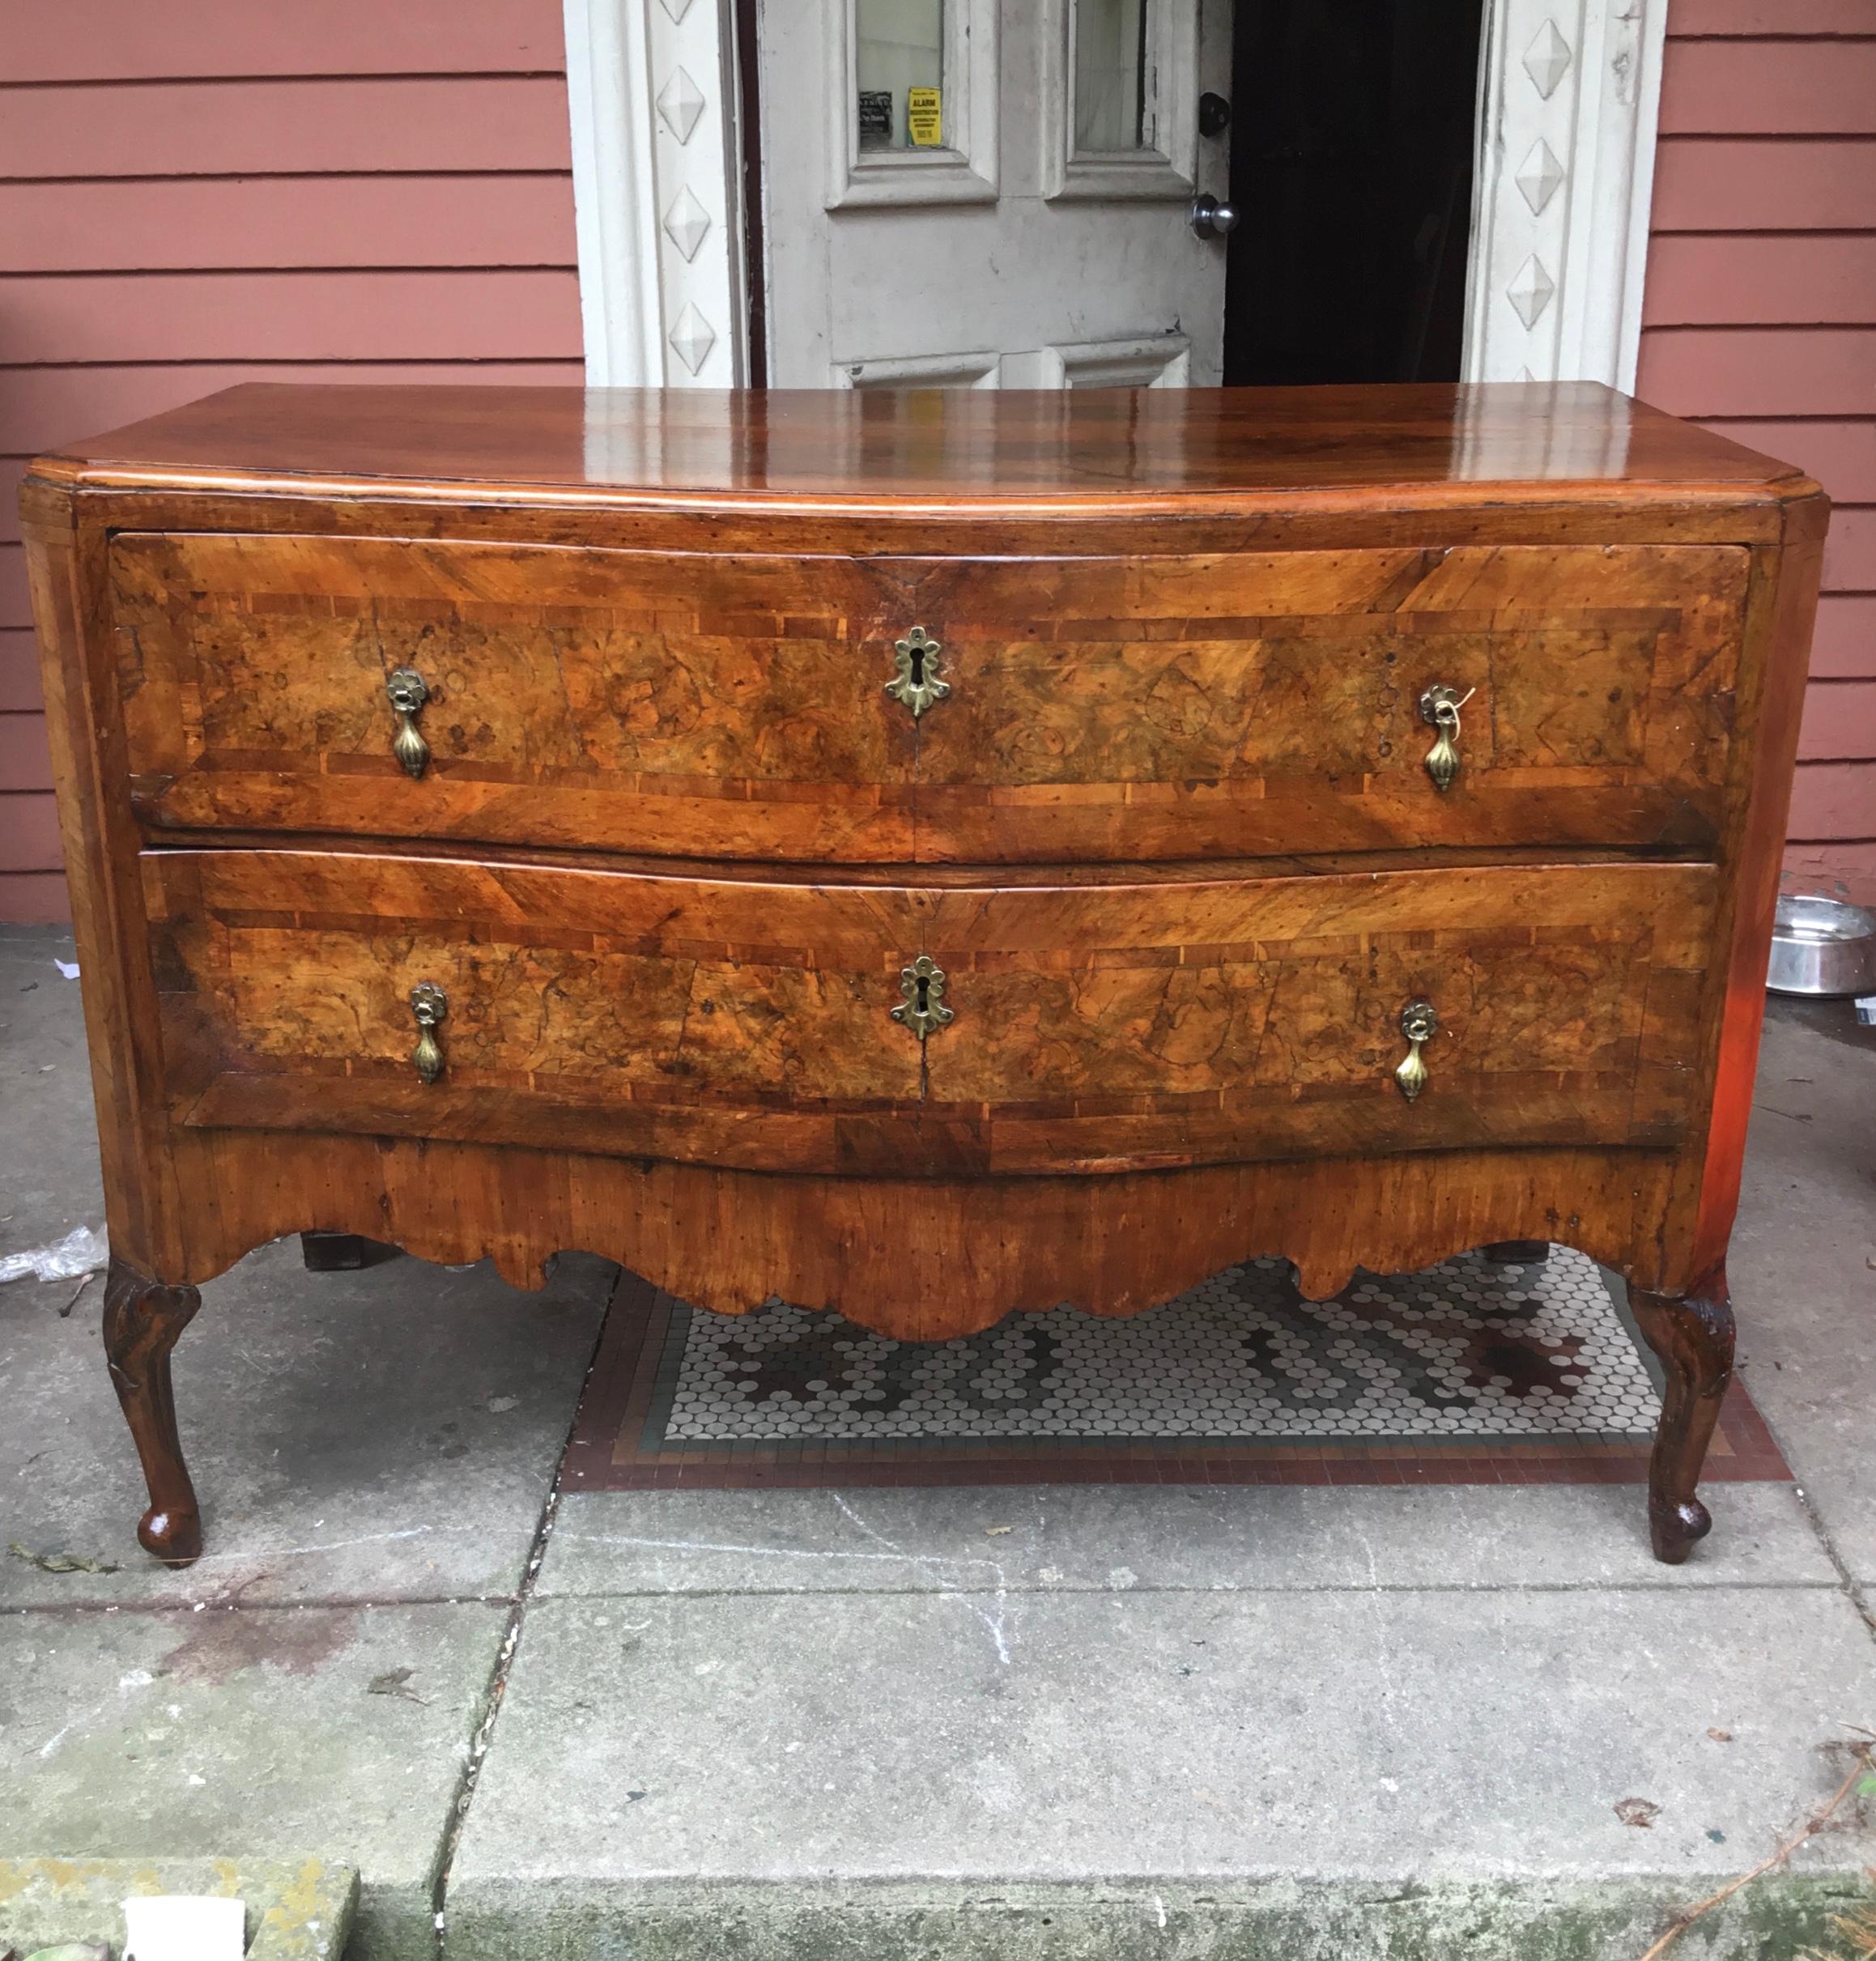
[[1569, 95], [657, 198], [1564, 177]]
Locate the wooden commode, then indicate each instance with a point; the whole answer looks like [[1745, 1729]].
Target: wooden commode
[[926, 854]]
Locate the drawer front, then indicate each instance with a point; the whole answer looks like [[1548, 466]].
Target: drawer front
[[1248, 704], [1140, 1025], [1095, 1027], [726, 706], [703, 705], [717, 1021]]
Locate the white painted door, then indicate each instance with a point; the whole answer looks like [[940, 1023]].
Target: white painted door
[[992, 193]]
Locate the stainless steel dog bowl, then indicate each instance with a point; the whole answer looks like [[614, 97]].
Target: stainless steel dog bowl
[[1822, 946]]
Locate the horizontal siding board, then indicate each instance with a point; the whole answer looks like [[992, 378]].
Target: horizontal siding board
[[25, 755], [222, 223], [1840, 455], [1850, 551], [194, 193], [1839, 722], [1841, 871], [15, 600], [1843, 645], [1767, 17], [1719, 183], [1764, 370], [107, 40], [1703, 280], [28, 832], [310, 316], [244, 127], [51, 408], [34, 899], [1769, 88], [18, 671], [1833, 800], [12, 468]]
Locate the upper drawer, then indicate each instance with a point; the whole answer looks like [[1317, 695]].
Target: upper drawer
[[1253, 703], [1228, 705], [712, 705]]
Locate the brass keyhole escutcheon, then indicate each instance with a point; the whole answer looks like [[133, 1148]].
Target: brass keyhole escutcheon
[[1440, 708], [408, 691], [923, 1010], [1419, 1023], [916, 672], [429, 1004]]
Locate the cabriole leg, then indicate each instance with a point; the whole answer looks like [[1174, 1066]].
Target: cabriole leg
[[1693, 1336], [142, 1320]]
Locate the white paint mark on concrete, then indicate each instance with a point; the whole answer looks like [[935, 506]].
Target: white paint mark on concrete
[[248, 1556], [996, 1621], [128, 1684]]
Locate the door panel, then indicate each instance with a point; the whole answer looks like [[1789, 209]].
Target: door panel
[[1021, 221]]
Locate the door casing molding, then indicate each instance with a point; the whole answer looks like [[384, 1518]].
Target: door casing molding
[[1563, 176], [1569, 97], [657, 202]]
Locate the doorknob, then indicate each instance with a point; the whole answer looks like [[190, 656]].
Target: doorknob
[[1211, 219]]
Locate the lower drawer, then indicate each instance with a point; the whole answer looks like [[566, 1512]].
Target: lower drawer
[[1140, 1021]]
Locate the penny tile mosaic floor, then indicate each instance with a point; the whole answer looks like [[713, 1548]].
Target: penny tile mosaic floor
[[1470, 1372]]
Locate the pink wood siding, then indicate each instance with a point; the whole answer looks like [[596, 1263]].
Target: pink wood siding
[[1760, 321], [194, 193]]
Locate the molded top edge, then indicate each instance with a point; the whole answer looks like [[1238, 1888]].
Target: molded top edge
[[927, 448]]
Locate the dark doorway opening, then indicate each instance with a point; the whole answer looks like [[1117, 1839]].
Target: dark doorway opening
[[1351, 172]]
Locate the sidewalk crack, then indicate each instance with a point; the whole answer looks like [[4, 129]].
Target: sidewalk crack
[[497, 1690]]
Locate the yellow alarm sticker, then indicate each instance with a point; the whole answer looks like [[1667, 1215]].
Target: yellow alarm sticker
[[924, 119]]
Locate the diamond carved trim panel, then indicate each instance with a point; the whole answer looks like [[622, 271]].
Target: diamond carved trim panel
[[1547, 59], [1539, 176], [687, 223], [680, 103], [1531, 289], [691, 338]]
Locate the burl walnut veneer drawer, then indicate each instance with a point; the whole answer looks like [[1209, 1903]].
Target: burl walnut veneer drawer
[[1154, 1021], [722, 705]]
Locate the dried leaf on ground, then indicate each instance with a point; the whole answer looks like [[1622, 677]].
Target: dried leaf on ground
[[396, 1681], [59, 1563]]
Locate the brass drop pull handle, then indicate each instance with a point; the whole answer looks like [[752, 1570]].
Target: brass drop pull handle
[[408, 692], [429, 1004], [923, 1010], [916, 667], [1440, 708], [1419, 1023]]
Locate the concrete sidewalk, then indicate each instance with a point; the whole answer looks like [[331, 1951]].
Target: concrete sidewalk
[[1075, 1722]]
